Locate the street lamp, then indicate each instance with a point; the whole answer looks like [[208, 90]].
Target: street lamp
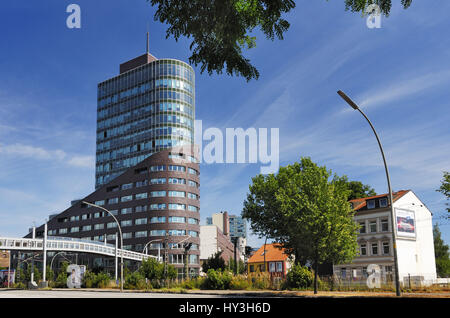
[[121, 240], [354, 106], [145, 247]]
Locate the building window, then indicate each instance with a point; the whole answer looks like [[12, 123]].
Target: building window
[[62, 231], [193, 171], [362, 228], [158, 233], [157, 168], [193, 233], [141, 183], [193, 184], [177, 206], [192, 196], [363, 249], [193, 221], [177, 168], [74, 218], [111, 225], [194, 209], [126, 223], [126, 198], [100, 226], [127, 235], [154, 194], [383, 202], [386, 249], [85, 216], [113, 200], [343, 272], [86, 228], [140, 208], [373, 226], [177, 181], [141, 196], [177, 219], [271, 267], [158, 181], [179, 194], [127, 186], [384, 225], [126, 211], [114, 212], [101, 202], [111, 237], [279, 267], [140, 234], [371, 204], [74, 229], [374, 248], [158, 219], [140, 221], [158, 206], [177, 232]]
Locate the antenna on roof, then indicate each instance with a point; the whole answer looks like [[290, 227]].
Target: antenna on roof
[[148, 40]]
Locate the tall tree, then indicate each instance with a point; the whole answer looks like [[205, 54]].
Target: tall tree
[[441, 253], [307, 211], [445, 187], [221, 30], [357, 189]]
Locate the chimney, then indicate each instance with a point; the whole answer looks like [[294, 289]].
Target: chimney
[[226, 224]]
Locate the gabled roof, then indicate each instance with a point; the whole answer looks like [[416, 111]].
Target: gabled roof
[[358, 204], [274, 252]]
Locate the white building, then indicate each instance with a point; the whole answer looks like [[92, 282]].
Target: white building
[[414, 235]]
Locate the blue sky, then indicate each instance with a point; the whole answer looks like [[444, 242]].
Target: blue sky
[[398, 74]]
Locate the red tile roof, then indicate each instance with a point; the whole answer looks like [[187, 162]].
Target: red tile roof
[[274, 252], [360, 203]]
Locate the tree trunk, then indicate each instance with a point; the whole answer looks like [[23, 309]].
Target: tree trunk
[[265, 242], [316, 269]]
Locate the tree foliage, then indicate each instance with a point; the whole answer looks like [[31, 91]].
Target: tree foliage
[[441, 253], [215, 262], [221, 30], [307, 211], [357, 189], [445, 187]]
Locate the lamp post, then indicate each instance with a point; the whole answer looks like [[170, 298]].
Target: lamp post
[[354, 106], [145, 247], [121, 240]]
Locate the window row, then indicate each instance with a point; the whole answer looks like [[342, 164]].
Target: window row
[[373, 248], [374, 225]]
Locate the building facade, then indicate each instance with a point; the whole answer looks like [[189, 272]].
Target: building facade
[[213, 240], [414, 236], [272, 258], [157, 203], [148, 107]]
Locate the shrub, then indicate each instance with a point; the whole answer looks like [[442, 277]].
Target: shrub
[[299, 277], [218, 280], [240, 282], [135, 281], [260, 280], [89, 279], [102, 280], [215, 262], [194, 283]]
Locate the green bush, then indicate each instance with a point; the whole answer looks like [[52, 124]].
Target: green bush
[[89, 279], [240, 282], [102, 280], [218, 279], [135, 281], [194, 283], [299, 277], [259, 280]]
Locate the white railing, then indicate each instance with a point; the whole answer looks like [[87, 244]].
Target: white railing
[[70, 245]]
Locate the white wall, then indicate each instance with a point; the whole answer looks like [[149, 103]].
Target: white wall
[[208, 241], [416, 257]]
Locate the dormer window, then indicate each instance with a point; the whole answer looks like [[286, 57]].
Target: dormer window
[[383, 202], [371, 204]]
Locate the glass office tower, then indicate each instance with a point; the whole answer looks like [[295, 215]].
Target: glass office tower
[[149, 107]]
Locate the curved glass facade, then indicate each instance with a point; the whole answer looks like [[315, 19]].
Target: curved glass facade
[[143, 111]]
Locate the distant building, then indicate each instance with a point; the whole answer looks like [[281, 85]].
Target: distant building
[[277, 262], [213, 240], [414, 236], [232, 226]]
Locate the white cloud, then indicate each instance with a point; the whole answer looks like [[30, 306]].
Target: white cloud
[[82, 161]]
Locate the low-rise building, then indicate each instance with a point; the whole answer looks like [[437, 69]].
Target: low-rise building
[[414, 236], [276, 261], [213, 240]]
